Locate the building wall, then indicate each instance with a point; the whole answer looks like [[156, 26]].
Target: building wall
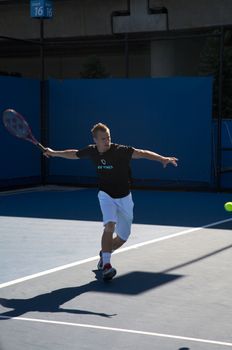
[[177, 57], [93, 17], [84, 18], [185, 14]]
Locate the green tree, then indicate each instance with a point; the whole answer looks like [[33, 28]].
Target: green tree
[[209, 65], [93, 68]]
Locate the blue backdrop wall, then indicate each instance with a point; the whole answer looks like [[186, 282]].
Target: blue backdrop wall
[[226, 176], [171, 116], [20, 160]]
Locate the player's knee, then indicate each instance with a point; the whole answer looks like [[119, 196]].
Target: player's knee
[[109, 227]]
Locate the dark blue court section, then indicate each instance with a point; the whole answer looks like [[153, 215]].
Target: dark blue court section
[[155, 208], [226, 179], [171, 116], [20, 161]]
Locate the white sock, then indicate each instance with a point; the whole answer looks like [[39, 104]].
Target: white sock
[[106, 258]]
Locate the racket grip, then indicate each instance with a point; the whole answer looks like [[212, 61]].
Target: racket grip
[[41, 147]]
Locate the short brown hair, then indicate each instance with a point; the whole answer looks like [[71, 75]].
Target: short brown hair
[[99, 127]]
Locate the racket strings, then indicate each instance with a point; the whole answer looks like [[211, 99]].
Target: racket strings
[[16, 126]]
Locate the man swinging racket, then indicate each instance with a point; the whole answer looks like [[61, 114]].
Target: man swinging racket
[[112, 162]]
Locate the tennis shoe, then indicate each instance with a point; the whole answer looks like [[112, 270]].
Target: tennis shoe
[[108, 272], [100, 262]]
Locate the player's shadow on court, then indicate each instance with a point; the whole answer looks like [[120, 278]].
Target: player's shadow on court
[[131, 284]]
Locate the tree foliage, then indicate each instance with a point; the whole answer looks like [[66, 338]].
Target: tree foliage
[[209, 65], [93, 68]]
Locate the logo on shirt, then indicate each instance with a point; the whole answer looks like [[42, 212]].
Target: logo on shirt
[[104, 165]]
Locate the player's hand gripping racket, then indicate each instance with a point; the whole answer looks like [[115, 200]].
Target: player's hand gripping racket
[[17, 126]]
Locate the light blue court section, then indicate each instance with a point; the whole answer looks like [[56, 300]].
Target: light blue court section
[[46, 228]]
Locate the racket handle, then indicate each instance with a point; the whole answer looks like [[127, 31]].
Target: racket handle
[[41, 147]]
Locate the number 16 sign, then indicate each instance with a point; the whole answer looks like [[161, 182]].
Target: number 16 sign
[[41, 8]]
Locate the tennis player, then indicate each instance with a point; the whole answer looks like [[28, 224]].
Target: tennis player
[[112, 162]]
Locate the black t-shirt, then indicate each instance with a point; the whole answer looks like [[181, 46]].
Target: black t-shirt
[[112, 167]]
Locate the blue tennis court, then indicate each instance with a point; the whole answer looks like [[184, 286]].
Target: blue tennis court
[[173, 286], [101, 99]]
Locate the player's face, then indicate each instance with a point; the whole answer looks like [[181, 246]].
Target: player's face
[[103, 141]]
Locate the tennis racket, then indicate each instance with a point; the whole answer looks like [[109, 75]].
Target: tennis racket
[[18, 126]]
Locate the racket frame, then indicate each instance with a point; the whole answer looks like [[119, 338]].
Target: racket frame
[[30, 137]]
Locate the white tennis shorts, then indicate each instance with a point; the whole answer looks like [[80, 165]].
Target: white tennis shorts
[[118, 210]]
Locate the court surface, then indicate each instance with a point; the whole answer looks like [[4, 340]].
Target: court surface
[[172, 291]]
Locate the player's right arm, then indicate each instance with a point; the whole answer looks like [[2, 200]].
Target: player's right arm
[[67, 153]]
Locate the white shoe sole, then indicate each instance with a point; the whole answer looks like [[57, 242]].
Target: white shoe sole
[[109, 274]]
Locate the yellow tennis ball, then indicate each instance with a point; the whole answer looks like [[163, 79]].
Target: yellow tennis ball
[[228, 206]]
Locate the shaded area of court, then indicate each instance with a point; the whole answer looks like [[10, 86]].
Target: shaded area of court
[[151, 207], [169, 294]]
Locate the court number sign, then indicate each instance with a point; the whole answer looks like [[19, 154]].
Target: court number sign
[[41, 8]]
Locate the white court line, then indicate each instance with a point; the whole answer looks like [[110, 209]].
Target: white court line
[[121, 330], [134, 246]]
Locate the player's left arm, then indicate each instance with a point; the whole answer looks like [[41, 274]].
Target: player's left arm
[[141, 153]]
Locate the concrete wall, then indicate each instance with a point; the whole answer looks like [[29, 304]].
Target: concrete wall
[[93, 17], [185, 14], [169, 59], [81, 18]]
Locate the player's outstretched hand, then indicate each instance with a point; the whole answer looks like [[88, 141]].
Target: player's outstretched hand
[[171, 160], [49, 152]]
